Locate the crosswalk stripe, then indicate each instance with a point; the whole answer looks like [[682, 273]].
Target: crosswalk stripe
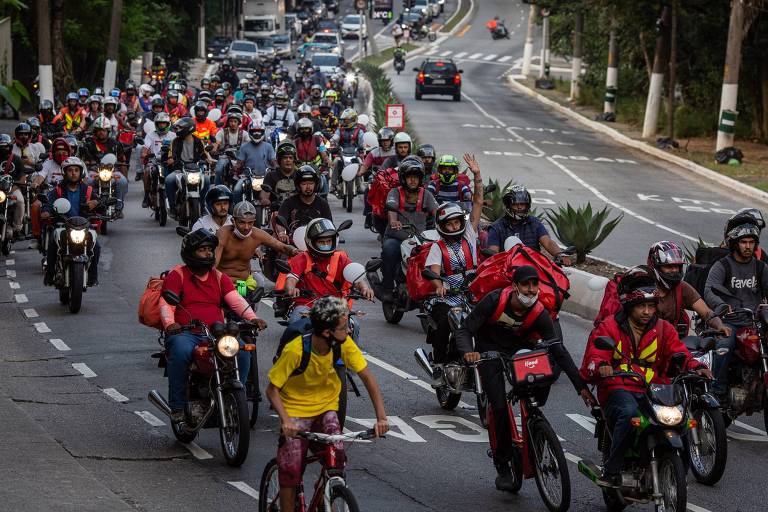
[[505, 58], [432, 51], [490, 57], [475, 55], [445, 54], [460, 55]]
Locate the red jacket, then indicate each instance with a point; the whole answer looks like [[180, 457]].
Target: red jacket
[[650, 358]]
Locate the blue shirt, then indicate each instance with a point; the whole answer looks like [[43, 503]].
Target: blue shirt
[[257, 156], [72, 196], [529, 231]]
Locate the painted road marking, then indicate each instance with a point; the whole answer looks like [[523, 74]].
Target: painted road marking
[[475, 55], [41, 327], [10, 273], [447, 53], [463, 31], [30, 313], [749, 427], [83, 368], [407, 433], [490, 57], [115, 395], [585, 422], [14, 285], [432, 51], [505, 58], [10, 262], [198, 452], [397, 371], [21, 298], [59, 344], [247, 489], [460, 55], [150, 418]]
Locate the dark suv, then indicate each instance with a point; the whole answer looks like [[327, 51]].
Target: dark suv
[[438, 76]]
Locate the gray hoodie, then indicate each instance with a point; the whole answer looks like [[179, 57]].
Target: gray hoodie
[[743, 283]]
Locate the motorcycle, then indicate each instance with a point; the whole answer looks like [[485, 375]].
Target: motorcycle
[[228, 175], [500, 32], [253, 184], [157, 190], [188, 204], [348, 163], [76, 239], [6, 202], [107, 188], [399, 61], [654, 469]]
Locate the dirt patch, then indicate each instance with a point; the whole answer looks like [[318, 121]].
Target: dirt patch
[[599, 268]]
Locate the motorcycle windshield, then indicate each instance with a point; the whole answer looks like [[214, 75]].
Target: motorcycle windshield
[[666, 394], [77, 222]]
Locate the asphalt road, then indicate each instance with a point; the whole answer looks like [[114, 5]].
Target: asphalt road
[[108, 440]]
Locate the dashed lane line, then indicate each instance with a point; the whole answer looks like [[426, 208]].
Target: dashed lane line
[[446, 53], [505, 58], [10, 262], [247, 489], [460, 55], [198, 452], [21, 298], [30, 313], [83, 368], [475, 55], [59, 344], [749, 427], [14, 285], [42, 327], [10, 273], [490, 57], [115, 395], [150, 418]]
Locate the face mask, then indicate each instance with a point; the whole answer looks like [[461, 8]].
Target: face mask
[[527, 301], [325, 247], [242, 236]]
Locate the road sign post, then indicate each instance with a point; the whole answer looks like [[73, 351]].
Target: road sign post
[[395, 116]]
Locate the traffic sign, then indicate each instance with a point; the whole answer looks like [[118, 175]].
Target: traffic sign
[[395, 117]]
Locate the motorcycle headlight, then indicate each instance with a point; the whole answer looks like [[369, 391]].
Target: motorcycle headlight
[[256, 183], [105, 174], [193, 178], [77, 236], [210, 55], [228, 346], [2, 196], [282, 136], [350, 77], [668, 415]]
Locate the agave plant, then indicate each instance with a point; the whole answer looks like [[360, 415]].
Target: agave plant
[[690, 251], [494, 206], [581, 228]]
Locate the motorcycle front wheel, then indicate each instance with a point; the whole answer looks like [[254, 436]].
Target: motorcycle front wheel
[[236, 436], [252, 387], [349, 194], [674, 489], [708, 464], [194, 211], [447, 400], [391, 313], [551, 474], [76, 280]]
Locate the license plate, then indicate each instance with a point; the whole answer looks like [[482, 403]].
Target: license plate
[[438, 81]]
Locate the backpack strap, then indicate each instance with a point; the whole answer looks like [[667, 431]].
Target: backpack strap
[[306, 354], [503, 298], [531, 317]]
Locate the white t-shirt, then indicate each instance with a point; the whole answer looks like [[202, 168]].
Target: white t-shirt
[[232, 138], [154, 141], [435, 256], [32, 151], [51, 171], [207, 222], [276, 116]]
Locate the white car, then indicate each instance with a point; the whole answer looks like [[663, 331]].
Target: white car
[[352, 25], [430, 8], [243, 54], [332, 39], [328, 63]]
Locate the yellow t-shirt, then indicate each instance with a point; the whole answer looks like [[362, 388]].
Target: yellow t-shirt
[[317, 389]]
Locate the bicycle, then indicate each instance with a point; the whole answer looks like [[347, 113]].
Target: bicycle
[[330, 490]]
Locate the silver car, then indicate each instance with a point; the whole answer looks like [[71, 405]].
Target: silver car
[[243, 54], [266, 47], [283, 45]]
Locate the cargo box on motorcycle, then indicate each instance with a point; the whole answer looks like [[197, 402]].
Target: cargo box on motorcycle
[[383, 181]]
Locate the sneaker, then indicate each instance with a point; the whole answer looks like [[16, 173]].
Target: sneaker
[[609, 480], [505, 480], [139, 176], [145, 202], [93, 282]]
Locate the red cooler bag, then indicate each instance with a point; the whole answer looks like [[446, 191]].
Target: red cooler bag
[[383, 181], [418, 287]]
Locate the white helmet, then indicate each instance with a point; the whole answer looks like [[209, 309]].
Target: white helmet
[[146, 89], [401, 137], [73, 161], [110, 100]]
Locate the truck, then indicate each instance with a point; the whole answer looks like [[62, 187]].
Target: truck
[[263, 18]]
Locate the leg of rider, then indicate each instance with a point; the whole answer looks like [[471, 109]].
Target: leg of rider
[[220, 165], [336, 174], [93, 266], [34, 214], [179, 348], [328, 423], [145, 176], [170, 190], [243, 363], [50, 258], [721, 363], [390, 254], [620, 408], [438, 338], [290, 463], [298, 313], [122, 189], [500, 430], [204, 190], [17, 219]]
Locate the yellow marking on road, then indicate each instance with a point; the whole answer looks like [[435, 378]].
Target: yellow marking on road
[[463, 31], [436, 26]]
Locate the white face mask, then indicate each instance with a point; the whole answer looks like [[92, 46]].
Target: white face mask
[[242, 236], [527, 301]]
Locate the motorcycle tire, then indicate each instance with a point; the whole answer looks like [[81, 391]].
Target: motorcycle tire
[[424, 324], [398, 71], [6, 247], [63, 295], [549, 464], [349, 192], [432, 37], [269, 488], [103, 227], [713, 418], [194, 211], [182, 435], [391, 314], [765, 410], [447, 400], [253, 390], [343, 394], [672, 471], [76, 275], [235, 439], [343, 497], [482, 409]]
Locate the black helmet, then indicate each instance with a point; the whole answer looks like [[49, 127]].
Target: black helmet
[[517, 194], [740, 232], [666, 253], [426, 150], [220, 92], [34, 123], [6, 144], [386, 133], [216, 194], [184, 126], [157, 102], [637, 285], [320, 228], [215, 78], [46, 105], [446, 212], [744, 216], [200, 106], [410, 166], [306, 173], [285, 148], [204, 96], [192, 242]]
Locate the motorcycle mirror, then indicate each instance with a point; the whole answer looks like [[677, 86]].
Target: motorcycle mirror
[[344, 225], [182, 231], [490, 188], [214, 114], [569, 250], [373, 265], [108, 159], [281, 220], [62, 206], [171, 298], [149, 127], [676, 363], [282, 266], [42, 157], [429, 274], [353, 272], [604, 343]]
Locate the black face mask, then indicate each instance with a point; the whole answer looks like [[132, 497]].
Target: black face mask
[[201, 265]]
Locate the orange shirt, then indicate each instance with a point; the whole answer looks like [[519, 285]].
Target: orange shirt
[[205, 130]]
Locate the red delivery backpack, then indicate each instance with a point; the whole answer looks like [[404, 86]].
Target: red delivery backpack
[[497, 271], [418, 287], [383, 181]]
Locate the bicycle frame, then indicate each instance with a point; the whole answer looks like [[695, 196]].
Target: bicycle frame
[[327, 457]]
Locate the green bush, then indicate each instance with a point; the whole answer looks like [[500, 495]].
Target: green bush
[[383, 95], [581, 228]]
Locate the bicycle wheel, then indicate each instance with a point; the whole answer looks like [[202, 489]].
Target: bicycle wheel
[[342, 500], [552, 476], [269, 488]]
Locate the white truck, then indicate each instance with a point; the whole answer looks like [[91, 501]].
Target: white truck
[[263, 18]]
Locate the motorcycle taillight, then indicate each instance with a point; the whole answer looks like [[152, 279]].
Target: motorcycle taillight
[[748, 345]]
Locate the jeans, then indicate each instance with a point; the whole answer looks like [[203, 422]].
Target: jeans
[[619, 410], [170, 190], [179, 348], [390, 255], [720, 362], [52, 255], [439, 337], [500, 428], [121, 188], [221, 164]]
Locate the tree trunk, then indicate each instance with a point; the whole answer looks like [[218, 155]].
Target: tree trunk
[[730, 90], [64, 80], [762, 118], [44, 58], [660, 58], [672, 71], [578, 30], [544, 70], [201, 30], [113, 48], [528, 48], [612, 73], [646, 57]]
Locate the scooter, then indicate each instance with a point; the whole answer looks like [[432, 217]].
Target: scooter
[[500, 32]]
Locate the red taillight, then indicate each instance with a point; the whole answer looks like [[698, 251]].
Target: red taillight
[[457, 79], [421, 77]]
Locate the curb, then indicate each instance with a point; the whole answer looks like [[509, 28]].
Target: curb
[[586, 293], [699, 170]]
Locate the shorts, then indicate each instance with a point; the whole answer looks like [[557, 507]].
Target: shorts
[[292, 453]]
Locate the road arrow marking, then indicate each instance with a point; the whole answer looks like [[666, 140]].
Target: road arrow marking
[[247, 489]]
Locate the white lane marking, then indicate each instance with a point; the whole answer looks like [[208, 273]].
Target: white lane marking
[[10, 273], [445, 54], [571, 457], [42, 327], [30, 313], [696, 508], [432, 51], [59, 344], [460, 55], [584, 422], [490, 57], [267, 302], [115, 395], [10, 262], [21, 298], [397, 371], [747, 437], [83, 368], [505, 58], [475, 55], [247, 489], [749, 427], [14, 285], [150, 418], [198, 452]]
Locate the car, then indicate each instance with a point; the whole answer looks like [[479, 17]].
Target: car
[[307, 21], [327, 26], [426, 9], [351, 25], [216, 48], [283, 45], [266, 47], [243, 54], [327, 63], [333, 6], [331, 39], [438, 76], [292, 25], [414, 19]]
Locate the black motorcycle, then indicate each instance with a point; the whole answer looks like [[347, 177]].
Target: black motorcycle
[[399, 61], [500, 32], [188, 201], [252, 186], [6, 232], [107, 188]]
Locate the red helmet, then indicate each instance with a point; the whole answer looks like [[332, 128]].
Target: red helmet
[[666, 253]]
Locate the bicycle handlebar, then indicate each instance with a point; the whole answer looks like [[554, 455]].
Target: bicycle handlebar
[[320, 437]]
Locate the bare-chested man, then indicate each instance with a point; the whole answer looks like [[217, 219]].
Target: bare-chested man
[[238, 243]]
